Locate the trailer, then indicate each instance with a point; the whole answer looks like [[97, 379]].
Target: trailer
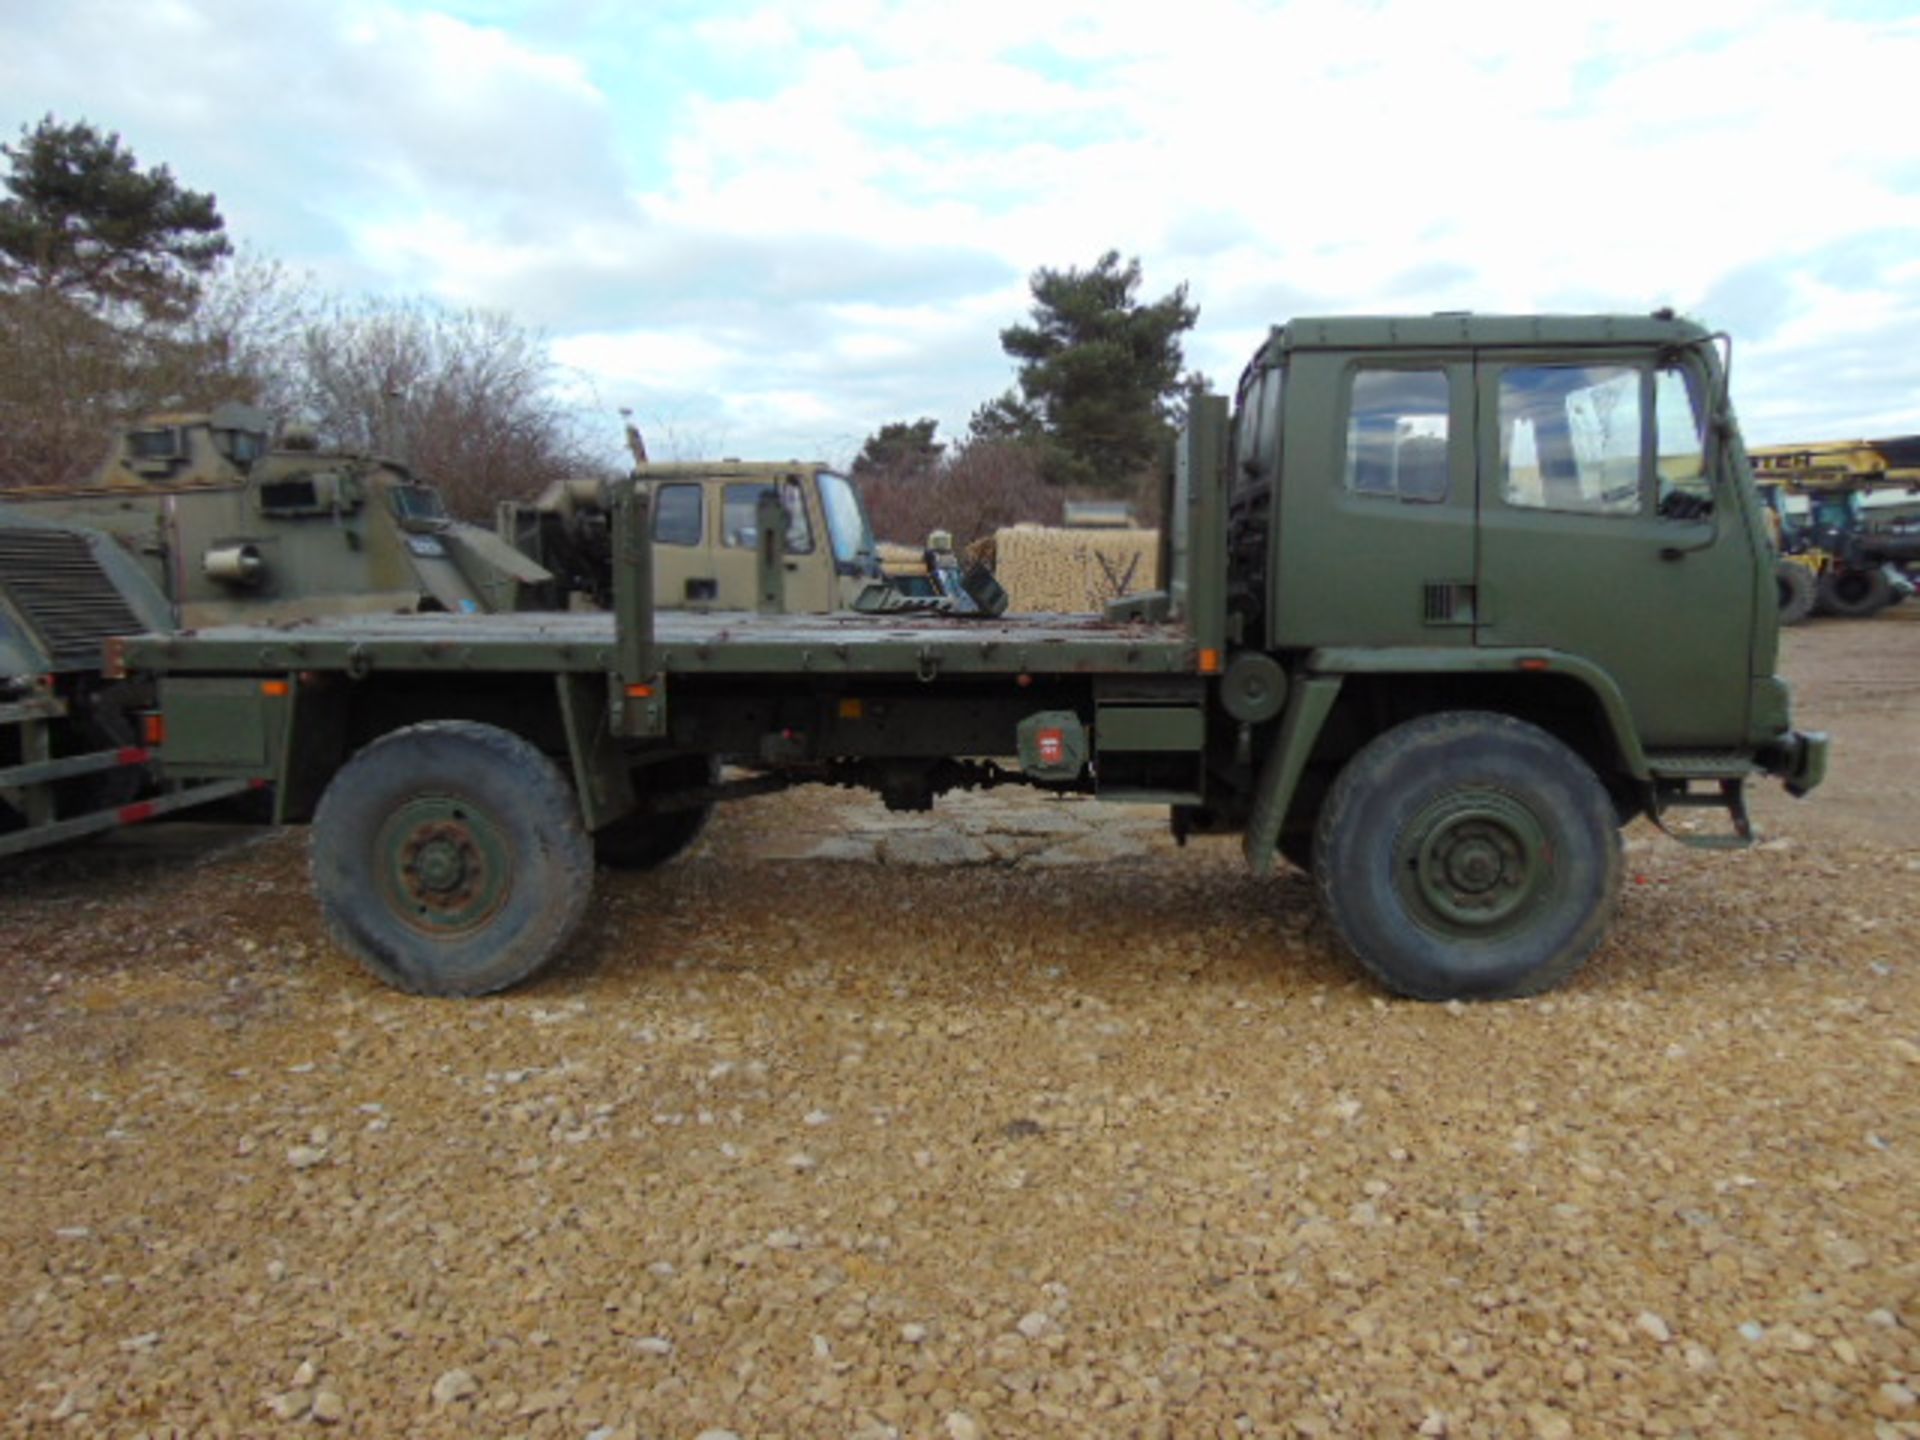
[[1450, 599]]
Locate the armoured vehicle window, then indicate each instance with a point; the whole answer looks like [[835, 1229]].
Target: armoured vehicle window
[[160, 444], [1257, 430], [244, 447], [1397, 435], [847, 528], [1570, 438], [418, 502], [298, 496], [737, 504], [676, 514]]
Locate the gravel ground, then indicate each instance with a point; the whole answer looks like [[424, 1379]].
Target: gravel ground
[[1020, 1123]]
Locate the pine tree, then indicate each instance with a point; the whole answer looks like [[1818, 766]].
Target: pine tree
[[84, 222], [1100, 372]]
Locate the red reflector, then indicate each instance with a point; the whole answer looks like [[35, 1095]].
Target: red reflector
[[134, 814], [1533, 664], [153, 729], [131, 755]]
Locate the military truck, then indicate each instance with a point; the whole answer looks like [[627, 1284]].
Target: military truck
[[75, 746], [1451, 599], [227, 524]]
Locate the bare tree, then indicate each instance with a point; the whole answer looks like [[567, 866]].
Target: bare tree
[[464, 397]]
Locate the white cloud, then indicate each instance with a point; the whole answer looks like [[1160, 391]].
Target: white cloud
[[809, 221]]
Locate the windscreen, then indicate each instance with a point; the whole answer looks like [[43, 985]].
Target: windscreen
[[418, 502], [847, 526]]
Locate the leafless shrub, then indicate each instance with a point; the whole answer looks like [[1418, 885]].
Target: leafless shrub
[[986, 485], [464, 397]]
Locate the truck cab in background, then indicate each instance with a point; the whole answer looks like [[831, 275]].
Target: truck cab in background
[[706, 535]]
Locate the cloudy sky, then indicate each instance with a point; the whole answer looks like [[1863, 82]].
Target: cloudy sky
[[770, 228]]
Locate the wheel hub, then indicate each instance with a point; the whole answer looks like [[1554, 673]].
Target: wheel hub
[[1473, 861], [445, 865], [442, 864]]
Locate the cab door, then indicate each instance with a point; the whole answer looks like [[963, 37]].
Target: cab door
[[1609, 532], [807, 577], [1376, 504], [683, 574]]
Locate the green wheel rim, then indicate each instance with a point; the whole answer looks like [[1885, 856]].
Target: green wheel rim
[[444, 867], [1473, 862]]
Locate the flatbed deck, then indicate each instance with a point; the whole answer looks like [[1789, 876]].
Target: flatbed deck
[[684, 642]]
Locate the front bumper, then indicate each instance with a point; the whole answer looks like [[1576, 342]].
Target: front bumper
[[1798, 759]]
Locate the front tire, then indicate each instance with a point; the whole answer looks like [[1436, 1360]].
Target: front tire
[[1468, 856], [450, 860]]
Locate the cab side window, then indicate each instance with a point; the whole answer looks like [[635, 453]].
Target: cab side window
[[1680, 454], [1571, 438], [739, 512], [676, 515], [1397, 435]]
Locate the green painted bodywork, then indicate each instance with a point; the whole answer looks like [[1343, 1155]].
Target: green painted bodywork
[[1124, 729], [1645, 640]]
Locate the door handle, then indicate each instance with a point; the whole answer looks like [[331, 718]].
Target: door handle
[[1692, 535]]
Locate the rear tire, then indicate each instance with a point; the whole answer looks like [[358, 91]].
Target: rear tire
[[1798, 591], [1855, 594], [450, 860], [1468, 856], [648, 841]]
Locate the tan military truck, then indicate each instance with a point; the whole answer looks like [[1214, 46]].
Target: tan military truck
[[706, 534], [231, 524]]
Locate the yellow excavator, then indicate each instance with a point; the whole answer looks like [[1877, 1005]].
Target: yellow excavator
[[1839, 556]]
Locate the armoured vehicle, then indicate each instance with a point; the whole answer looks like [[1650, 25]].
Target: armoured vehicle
[[1450, 600], [228, 524], [706, 531]]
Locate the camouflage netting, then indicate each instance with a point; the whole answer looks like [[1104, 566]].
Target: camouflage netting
[[1045, 569]]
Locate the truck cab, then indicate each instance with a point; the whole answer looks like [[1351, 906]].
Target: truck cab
[[1454, 539], [1474, 486], [706, 535]]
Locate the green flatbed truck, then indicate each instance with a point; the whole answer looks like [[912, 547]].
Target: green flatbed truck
[[1450, 600]]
